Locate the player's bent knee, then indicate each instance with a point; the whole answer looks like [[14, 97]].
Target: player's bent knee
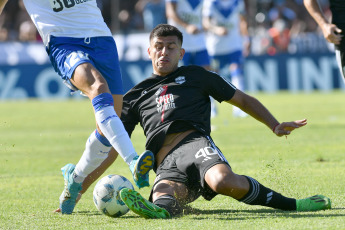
[[166, 187], [228, 184], [162, 188]]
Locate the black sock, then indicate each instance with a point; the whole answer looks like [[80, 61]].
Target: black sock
[[260, 195], [169, 203]]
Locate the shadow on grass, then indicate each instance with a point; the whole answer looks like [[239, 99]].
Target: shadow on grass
[[229, 214], [97, 213]]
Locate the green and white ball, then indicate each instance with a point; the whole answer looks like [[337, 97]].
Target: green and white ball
[[106, 195]]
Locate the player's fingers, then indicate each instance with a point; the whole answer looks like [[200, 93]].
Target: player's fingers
[[301, 122], [290, 126]]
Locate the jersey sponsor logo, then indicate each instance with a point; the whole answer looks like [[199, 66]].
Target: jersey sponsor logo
[[59, 5], [180, 80], [165, 102]]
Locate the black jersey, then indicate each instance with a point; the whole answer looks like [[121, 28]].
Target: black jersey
[[174, 103], [338, 11]]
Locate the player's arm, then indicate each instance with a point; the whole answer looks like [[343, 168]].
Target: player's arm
[[218, 30], [2, 5], [256, 109], [171, 13], [329, 30], [245, 34]]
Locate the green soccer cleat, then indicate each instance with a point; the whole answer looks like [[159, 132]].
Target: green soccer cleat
[[68, 198], [140, 167], [314, 203], [141, 206]]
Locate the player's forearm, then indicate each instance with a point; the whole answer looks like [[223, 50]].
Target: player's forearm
[[315, 11], [171, 13], [257, 110], [2, 5], [254, 108]]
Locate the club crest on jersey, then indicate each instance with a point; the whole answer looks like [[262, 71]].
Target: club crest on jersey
[[180, 80]]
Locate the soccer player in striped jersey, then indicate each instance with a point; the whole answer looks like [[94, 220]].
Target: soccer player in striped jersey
[[83, 52], [227, 40]]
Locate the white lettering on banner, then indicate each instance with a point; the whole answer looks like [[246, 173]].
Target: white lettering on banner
[[302, 74], [314, 75], [136, 74], [257, 78], [8, 89], [46, 77], [292, 75]]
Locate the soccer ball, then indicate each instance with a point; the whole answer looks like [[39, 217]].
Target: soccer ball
[[106, 195]]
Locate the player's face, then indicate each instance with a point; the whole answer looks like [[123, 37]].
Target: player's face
[[165, 53]]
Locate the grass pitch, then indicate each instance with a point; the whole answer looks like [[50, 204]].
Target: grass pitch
[[37, 138]]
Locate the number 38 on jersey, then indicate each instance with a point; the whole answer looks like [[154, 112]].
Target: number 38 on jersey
[[59, 5]]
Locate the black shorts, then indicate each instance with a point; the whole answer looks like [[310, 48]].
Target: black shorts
[[188, 162]]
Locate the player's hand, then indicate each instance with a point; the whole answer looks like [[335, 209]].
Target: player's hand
[[332, 33], [285, 128], [78, 198], [220, 31], [192, 29]]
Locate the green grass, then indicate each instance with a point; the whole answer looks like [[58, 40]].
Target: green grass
[[38, 137]]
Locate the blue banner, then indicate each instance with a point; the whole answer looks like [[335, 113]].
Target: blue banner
[[25, 72]]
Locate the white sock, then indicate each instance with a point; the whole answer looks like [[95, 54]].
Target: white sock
[[112, 127], [94, 154], [115, 132]]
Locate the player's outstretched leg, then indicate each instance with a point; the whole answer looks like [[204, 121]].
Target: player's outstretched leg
[[141, 206], [140, 167], [314, 203], [70, 193]]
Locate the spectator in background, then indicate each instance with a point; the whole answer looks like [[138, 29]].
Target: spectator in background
[[129, 18], [153, 12], [27, 32], [226, 36], [187, 17], [15, 23]]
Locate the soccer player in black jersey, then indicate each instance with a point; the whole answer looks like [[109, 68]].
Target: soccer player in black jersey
[[173, 107], [333, 31]]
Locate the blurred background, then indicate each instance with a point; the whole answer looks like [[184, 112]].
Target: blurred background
[[287, 52]]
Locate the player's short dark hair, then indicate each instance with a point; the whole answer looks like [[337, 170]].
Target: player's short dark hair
[[164, 30]]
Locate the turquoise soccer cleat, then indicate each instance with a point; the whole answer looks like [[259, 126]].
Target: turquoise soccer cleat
[[70, 193], [140, 167]]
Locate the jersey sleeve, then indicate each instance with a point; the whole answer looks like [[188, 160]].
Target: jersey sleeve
[[128, 117], [216, 86]]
